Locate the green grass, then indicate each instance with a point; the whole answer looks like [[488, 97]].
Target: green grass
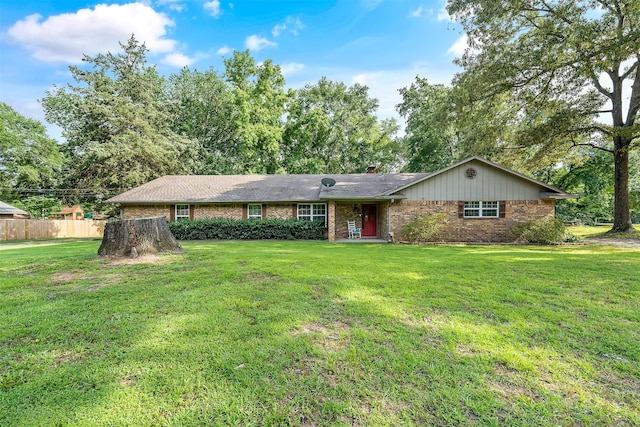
[[312, 333], [601, 231]]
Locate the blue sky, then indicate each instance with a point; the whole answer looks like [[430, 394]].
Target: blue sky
[[381, 43]]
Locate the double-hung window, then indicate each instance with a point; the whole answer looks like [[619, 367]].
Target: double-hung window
[[313, 212], [182, 212], [481, 209], [254, 211]]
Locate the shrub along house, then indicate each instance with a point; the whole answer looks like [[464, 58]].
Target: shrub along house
[[482, 200]]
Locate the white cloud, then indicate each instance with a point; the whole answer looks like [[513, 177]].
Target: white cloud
[[66, 37], [291, 68], [279, 28], [294, 25], [177, 59], [213, 7], [257, 43], [223, 50], [177, 7], [459, 46], [416, 13], [443, 15]]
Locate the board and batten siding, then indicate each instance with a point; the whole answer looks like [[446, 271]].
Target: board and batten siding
[[489, 184]]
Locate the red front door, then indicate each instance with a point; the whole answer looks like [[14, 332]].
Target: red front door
[[369, 221]]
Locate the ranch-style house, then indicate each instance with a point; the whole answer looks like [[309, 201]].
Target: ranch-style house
[[483, 200]]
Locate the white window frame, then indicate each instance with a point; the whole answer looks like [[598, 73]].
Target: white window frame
[[312, 215], [254, 215], [485, 209], [180, 212]]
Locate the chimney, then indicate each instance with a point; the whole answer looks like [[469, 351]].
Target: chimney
[[371, 169]]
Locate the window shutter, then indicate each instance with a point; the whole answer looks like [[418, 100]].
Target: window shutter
[[461, 209], [294, 211], [244, 211], [192, 209], [264, 210], [502, 208], [172, 213]]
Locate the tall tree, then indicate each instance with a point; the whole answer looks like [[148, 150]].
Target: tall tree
[[28, 157], [117, 123], [332, 128], [258, 99], [563, 64], [430, 134], [202, 111]]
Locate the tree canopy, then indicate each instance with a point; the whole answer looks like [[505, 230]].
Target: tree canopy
[[28, 157], [117, 122], [564, 67], [332, 128]]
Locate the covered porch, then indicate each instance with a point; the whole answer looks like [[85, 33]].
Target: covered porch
[[371, 216]]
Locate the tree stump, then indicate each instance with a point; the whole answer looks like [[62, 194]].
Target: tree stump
[[138, 236]]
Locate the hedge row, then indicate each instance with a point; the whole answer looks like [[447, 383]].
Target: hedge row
[[247, 229]]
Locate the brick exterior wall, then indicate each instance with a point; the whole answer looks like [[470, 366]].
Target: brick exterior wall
[[458, 230], [229, 211], [471, 229], [146, 211], [344, 213]]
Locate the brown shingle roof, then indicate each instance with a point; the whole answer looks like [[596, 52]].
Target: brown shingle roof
[[263, 188], [6, 209]]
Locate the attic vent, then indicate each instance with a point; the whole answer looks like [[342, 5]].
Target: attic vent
[[471, 173]]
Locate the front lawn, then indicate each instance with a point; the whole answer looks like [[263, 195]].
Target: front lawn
[[318, 334]]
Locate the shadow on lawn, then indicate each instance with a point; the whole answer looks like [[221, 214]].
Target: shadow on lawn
[[423, 335]]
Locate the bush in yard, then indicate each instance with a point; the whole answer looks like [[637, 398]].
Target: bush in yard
[[426, 228], [541, 230], [247, 229]]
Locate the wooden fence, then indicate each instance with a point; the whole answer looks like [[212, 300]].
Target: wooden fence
[[27, 229]]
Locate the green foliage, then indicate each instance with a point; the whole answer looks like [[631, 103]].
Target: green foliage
[[557, 66], [426, 228], [202, 110], [38, 206], [431, 138], [274, 333], [247, 229], [546, 230], [28, 157], [117, 123], [332, 128], [258, 99]]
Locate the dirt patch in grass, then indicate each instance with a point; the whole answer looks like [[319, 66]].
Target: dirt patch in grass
[[68, 356], [130, 379], [332, 336], [63, 277]]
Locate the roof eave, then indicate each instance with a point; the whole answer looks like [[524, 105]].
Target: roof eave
[[549, 195]]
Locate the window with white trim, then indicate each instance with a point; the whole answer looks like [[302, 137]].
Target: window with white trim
[[182, 212], [313, 212], [481, 209], [254, 211]]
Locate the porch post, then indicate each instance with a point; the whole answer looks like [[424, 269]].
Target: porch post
[[331, 221]]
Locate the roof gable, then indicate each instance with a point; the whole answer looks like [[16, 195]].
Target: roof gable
[[542, 190]]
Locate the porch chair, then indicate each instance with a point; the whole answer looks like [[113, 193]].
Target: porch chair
[[354, 233]]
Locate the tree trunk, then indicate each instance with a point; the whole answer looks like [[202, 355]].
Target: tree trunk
[[621, 213], [139, 236]]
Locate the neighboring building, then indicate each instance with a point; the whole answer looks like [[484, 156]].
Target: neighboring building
[[482, 199], [10, 212], [70, 213]]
